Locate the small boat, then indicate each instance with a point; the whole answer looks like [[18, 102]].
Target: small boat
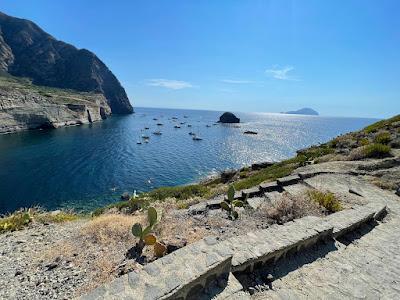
[[176, 126], [157, 132], [208, 125], [196, 138], [139, 142], [174, 118], [146, 141], [189, 125], [250, 132], [145, 137], [146, 128], [183, 123], [155, 119], [192, 133], [160, 124]]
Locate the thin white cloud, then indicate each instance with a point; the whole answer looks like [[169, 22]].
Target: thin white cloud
[[281, 73], [170, 84], [229, 91], [233, 81]]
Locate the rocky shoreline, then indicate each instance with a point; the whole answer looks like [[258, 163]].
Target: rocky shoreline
[[24, 106]]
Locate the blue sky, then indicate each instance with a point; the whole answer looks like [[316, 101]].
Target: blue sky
[[341, 58]]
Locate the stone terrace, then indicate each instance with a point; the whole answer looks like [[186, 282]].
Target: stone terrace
[[211, 268]]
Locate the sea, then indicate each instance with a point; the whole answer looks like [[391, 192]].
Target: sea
[[88, 166]]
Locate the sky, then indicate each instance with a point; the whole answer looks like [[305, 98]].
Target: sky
[[339, 57]]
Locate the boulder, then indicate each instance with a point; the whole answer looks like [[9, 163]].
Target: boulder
[[228, 117], [125, 196], [228, 175], [261, 165]]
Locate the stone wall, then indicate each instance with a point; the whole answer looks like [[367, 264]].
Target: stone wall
[[206, 269]]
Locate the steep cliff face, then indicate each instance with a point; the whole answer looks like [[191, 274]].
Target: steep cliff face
[[27, 51], [25, 106]]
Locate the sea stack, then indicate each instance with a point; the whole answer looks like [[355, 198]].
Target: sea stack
[[228, 117]]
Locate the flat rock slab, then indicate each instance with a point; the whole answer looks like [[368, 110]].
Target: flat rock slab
[[292, 179], [214, 204], [256, 202], [270, 187], [251, 192], [197, 209], [296, 189]]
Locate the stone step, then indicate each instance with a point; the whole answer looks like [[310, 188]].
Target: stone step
[[347, 220], [272, 243], [233, 290], [288, 180], [251, 192], [270, 187], [182, 274], [204, 269]]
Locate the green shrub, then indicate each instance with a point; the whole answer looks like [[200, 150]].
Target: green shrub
[[60, 217], [327, 200], [268, 174], [230, 204], [15, 221], [376, 151], [178, 192], [364, 141], [382, 138], [381, 124]]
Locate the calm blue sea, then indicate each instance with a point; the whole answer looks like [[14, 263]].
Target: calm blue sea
[[87, 166]]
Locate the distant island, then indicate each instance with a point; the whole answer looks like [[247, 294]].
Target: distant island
[[303, 111]]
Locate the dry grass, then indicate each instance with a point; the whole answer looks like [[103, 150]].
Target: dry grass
[[330, 157], [109, 229], [98, 247], [289, 207]]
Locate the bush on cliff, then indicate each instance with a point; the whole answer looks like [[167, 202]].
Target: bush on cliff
[[382, 138]]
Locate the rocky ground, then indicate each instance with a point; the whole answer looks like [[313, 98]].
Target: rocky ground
[[61, 261]]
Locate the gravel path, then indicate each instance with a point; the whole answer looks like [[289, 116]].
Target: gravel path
[[23, 273]]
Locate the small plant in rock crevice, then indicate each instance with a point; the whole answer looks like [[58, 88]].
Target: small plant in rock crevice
[[145, 235], [230, 204]]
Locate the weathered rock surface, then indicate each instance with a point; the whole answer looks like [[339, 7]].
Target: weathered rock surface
[[27, 51], [228, 117], [24, 106]]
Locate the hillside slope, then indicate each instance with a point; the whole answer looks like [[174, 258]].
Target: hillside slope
[[26, 106], [28, 51]]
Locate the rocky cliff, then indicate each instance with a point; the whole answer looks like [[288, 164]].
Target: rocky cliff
[[26, 106], [27, 51]]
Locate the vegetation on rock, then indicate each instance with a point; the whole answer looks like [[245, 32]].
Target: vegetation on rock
[[230, 204], [325, 199]]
